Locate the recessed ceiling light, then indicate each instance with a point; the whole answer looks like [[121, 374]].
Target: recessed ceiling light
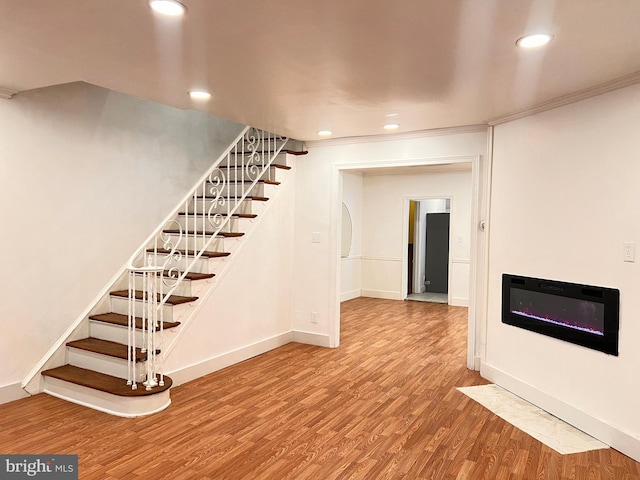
[[391, 126], [199, 95], [324, 133], [532, 41], [167, 7]]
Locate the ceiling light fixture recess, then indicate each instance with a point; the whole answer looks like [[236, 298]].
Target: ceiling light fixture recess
[[167, 7], [199, 95], [391, 126], [533, 41], [324, 133]]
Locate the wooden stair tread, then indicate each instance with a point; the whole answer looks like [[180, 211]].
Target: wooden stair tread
[[106, 347], [284, 150], [123, 320], [176, 231], [274, 165], [232, 197], [191, 275], [172, 300], [205, 254], [103, 382], [248, 197], [237, 215], [266, 182], [296, 152]]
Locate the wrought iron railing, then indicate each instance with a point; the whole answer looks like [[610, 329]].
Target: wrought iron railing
[[177, 247]]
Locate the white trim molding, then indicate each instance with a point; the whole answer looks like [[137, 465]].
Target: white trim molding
[[11, 392], [612, 435], [311, 338], [350, 295], [433, 132], [224, 360], [606, 87], [6, 93], [382, 259], [384, 294], [459, 302], [461, 260]]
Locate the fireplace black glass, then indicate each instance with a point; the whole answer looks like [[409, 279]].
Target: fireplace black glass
[[581, 314]]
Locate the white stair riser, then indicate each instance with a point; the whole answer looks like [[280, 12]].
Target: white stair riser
[[245, 206], [192, 288], [234, 225], [238, 189], [238, 174], [211, 206], [198, 242], [106, 402], [231, 188], [280, 159], [187, 224], [111, 332], [171, 313], [118, 333], [103, 363], [183, 288], [202, 265]]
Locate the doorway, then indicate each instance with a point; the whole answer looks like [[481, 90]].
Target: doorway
[[428, 250], [475, 265]]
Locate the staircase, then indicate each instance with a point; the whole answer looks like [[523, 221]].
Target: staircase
[[117, 367]]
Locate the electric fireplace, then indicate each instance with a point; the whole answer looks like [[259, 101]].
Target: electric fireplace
[[582, 314]]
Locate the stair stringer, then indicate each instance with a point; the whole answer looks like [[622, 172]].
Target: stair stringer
[[228, 324]]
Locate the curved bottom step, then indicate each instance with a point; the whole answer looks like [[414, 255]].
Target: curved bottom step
[[105, 393]]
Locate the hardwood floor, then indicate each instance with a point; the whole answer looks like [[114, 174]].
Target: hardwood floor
[[382, 406]]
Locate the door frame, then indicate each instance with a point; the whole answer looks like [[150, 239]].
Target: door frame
[[422, 255], [478, 258]]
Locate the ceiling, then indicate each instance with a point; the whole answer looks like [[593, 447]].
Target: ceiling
[[298, 66]]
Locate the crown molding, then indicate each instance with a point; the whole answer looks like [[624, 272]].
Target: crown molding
[[610, 86], [434, 132], [6, 93]]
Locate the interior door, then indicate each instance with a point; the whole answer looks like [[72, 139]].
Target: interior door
[[437, 252]]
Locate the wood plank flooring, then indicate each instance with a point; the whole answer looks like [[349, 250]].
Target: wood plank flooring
[[383, 405]]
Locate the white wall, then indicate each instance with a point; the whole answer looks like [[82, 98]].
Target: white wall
[[316, 265], [351, 266], [386, 200], [86, 174], [565, 197], [249, 312]]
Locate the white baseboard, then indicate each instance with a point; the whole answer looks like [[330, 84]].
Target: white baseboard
[[459, 302], [11, 392], [227, 359], [606, 433], [309, 338], [344, 296], [385, 294], [477, 364]]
